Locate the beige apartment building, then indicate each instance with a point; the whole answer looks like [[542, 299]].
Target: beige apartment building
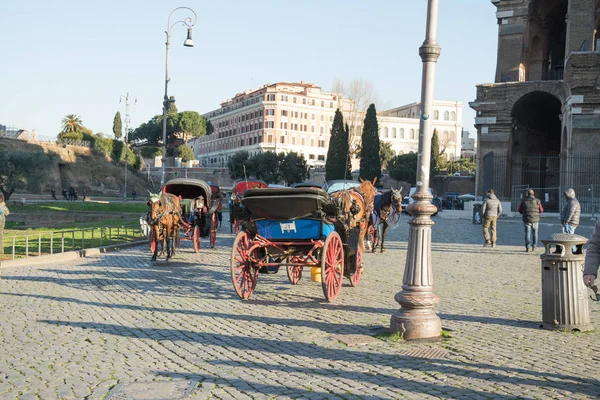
[[286, 116], [279, 117]]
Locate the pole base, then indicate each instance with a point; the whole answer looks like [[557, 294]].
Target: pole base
[[416, 324]]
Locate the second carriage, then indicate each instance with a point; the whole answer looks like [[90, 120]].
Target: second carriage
[[199, 202], [236, 210], [295, 228]]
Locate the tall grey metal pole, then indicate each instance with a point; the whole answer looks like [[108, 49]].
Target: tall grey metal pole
[[189, 22], [416, 319], [127, 120]]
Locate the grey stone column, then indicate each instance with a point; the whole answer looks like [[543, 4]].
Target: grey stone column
[[416, 319]]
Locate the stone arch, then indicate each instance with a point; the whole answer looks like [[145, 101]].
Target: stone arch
[[546, 38]]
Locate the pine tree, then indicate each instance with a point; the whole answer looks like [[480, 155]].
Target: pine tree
[[370, 162], [118, 126], [435, 154], [336, 166]]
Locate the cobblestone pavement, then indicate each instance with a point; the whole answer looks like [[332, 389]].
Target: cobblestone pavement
[[75, 330]]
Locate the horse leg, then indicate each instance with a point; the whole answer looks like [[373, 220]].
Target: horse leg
[[168, 241], [155, 230], [383, 230]]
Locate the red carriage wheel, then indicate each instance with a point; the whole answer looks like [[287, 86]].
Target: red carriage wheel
[[294, 273], [243, 273], [196, 238], [332, 266], [213, 231], [355, 277], [152, 240]]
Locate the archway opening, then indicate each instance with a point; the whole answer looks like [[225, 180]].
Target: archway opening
[[547, 32], [535, 144]]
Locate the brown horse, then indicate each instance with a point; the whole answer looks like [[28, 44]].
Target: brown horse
[[386, 204], [358, 206], [164, 219]]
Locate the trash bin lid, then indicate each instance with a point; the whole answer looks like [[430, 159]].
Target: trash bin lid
[[565, 238]]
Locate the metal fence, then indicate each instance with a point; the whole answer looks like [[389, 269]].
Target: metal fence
[[549, 175], [37, 244]]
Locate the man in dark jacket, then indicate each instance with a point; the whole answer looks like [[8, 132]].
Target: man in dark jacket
[[531, 208], [490, 212], [570, 213]]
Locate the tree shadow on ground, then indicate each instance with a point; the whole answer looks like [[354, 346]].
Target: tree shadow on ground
[[382, 364]]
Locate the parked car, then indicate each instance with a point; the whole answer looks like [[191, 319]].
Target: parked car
[[405, 202], [339, 184]]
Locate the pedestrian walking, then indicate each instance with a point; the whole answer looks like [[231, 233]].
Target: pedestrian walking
[[490, 211], [4, 212], [592, 257], [531, 208], [133, 194], [83, 194], [220, 209], [571, 212], [53, 193], [65, 194]]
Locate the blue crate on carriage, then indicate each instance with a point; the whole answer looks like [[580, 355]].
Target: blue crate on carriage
[[291, 213], [293, 229]]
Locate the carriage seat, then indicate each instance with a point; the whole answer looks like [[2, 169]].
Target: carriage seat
[[288, 203]]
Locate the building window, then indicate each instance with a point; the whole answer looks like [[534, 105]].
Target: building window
[[451, 137], [401, 133], [445, 137], [446, 115], [270, 97], [270, 124], [303, 142], [312, 142], [312, 129], [393, 133], [321, 130], [321, 157], [311, 156], [313, 102], [304, 101], [282, 139], [321, 143], [312, 117], [294, 137], [436, 115], [270, 111], [284, 113], [322, 118], [452, 116], [294, 100], [412, 134], [385, 132]]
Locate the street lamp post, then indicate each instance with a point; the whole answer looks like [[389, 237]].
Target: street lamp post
[[127, 120], [416, 319], [189, 22]]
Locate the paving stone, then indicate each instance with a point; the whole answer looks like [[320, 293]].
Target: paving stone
[[117, 318]]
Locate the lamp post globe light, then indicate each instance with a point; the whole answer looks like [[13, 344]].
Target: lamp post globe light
[[416, 319], [125, 138], [189, 22]]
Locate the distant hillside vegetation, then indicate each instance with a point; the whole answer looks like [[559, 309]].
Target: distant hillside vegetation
[[81, 168]]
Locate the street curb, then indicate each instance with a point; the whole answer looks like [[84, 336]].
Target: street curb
[[67, 256]]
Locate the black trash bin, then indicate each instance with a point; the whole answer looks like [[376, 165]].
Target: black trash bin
[[477, 217]]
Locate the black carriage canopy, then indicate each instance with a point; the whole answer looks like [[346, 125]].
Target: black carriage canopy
[[288, 203], [189, 189]]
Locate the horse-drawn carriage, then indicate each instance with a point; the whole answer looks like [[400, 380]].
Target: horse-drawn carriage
[[237, 213], [297, 228], [197, 211]]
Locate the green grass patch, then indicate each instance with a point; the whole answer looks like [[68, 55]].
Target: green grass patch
[[81, 206], [390, 337], [445, 334]]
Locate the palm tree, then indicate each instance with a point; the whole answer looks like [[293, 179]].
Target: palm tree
[[71, 123]]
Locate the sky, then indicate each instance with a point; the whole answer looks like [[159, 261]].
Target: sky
[[78, 57]]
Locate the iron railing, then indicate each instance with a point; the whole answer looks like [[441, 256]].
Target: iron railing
[[35, 244]]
